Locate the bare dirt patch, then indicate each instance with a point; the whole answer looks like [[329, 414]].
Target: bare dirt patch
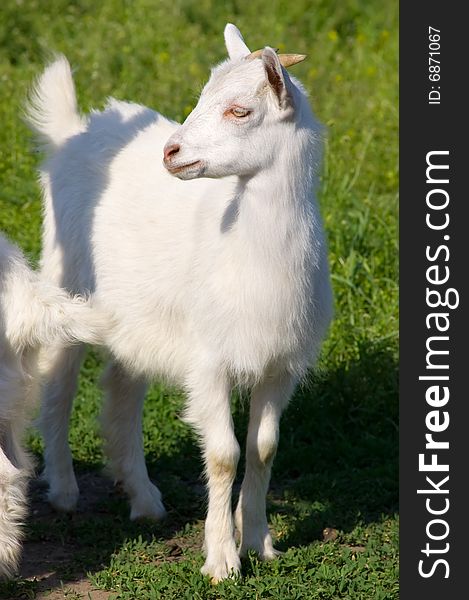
[[50, 564], [56, 556], [75, 590]]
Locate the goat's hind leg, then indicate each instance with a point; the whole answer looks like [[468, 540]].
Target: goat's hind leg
[[268, 400], [122, 429], [15, 468], [60, 367], [13, 510]]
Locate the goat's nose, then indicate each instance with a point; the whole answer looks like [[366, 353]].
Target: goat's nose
[[170, 151]]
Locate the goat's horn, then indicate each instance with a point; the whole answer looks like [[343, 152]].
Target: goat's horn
[[286, 60]]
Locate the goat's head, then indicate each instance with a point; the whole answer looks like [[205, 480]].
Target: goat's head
[[242, 117]]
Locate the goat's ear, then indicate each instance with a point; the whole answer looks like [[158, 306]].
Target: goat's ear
[[277, 77], [234, 43]]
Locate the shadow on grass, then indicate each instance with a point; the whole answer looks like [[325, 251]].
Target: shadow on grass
[[337, 463], [336, 467]]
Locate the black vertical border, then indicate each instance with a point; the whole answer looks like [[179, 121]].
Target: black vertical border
[[424, 128]]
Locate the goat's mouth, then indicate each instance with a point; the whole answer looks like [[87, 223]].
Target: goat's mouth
[[186, 168]]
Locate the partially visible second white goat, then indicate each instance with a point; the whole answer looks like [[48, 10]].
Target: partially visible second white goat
[[215, 282], [32, 312]]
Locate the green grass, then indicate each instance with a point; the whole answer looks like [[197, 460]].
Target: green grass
[[337, 460]]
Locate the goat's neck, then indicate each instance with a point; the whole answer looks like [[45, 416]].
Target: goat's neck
[[275, 206]]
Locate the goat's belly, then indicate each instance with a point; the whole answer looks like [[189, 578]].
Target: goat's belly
[[149, 345]]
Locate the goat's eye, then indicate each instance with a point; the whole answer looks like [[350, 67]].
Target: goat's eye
[[239, 112]]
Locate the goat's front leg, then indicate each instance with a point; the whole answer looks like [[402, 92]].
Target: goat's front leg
[[268, 400], [122, 429], [209, 411]]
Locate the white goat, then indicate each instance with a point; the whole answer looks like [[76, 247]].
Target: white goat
[[32, 312], [210, 283]]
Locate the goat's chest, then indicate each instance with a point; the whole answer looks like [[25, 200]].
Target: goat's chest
[[254, 312]]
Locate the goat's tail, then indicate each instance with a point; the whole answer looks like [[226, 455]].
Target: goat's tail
[[36, 312], [52, 316], [52, 107]]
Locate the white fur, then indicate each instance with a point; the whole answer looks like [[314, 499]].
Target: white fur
[[214, 282], [32, 312]]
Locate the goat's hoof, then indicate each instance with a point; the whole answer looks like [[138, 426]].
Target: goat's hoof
[[63, 501], [148, 507], [145, 502], [263, 548], [153, 512], [270, 554], [222, 569]]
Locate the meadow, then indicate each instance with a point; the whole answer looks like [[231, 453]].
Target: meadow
[[332, 505]]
